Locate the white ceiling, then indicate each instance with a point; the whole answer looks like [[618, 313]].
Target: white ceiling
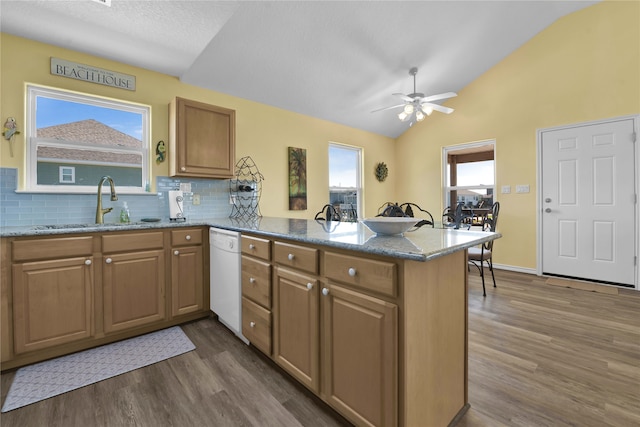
[[335, 60]]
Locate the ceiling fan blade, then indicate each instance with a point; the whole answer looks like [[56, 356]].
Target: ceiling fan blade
[[438, 97], [388, 108], [437, 107], [405, 97]]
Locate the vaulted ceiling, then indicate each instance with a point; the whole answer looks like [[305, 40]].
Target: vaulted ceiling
[[334, 60]]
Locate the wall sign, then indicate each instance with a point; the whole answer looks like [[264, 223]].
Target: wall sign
[[73, 70]]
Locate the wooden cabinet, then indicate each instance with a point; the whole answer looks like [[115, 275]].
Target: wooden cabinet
[[360, 347], [52, 292], [201, 140], [187, 272], [133, 280], [296, 335], [256, 292], [70, 293], [334, 334]]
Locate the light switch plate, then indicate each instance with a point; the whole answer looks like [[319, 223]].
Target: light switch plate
[[185, 187], [506, 189], [522, 188]]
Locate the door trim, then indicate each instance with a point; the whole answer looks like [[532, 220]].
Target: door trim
[[636, 126]]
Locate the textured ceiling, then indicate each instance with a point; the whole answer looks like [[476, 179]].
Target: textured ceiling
[[333, 60]]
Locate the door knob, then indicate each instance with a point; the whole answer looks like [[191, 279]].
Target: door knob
[[547, 200], [547, 210]]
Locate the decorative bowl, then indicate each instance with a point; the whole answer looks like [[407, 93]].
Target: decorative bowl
[[389, 225]]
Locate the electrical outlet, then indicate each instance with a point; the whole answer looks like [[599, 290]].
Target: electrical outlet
[[522, 188], [185, 187], [196, 199], [506, 189]]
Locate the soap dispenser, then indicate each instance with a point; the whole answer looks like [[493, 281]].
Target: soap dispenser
[[124, 213]]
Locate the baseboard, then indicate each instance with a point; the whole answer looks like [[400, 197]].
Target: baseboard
[[514, 268]]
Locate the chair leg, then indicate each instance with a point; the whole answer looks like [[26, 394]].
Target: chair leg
[[484, 292], [491, 268]]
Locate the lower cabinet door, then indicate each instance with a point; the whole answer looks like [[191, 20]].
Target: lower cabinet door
[[134, 287], [360, 347], [52, 302], [296, 345], [187, 285]]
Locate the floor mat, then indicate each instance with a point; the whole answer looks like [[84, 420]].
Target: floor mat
[[53, 377]]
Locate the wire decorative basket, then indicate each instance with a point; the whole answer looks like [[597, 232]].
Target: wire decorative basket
[[245, 189]]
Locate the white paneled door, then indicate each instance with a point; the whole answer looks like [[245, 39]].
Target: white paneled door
[[588, 202]]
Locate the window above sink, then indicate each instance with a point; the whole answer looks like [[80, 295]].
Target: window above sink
[[73, 139]]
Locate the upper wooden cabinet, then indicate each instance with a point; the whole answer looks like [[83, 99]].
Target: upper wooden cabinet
[[202, 140]]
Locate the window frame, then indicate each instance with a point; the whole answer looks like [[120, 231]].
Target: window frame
[[32, 142], [359, 179], [446, 188], [62, 173]]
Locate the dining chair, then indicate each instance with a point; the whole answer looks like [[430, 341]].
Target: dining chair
[[484, 253], [456, 218], [328, 213], [409, 208]]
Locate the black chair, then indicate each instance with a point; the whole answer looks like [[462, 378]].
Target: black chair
[[456, 218], [328, 213], [479, 255], [409, 211], [392, 210]]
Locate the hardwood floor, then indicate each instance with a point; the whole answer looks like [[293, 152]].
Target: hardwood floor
[[539, 355]]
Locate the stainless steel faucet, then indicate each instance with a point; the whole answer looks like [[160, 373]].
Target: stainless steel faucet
[[99, 211]]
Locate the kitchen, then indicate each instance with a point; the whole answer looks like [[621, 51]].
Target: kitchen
[[264, 132]]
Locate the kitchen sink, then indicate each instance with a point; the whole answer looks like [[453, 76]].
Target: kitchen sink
[[85, 225]]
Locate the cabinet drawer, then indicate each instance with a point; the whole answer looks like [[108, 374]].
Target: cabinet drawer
[[367, 274], [295, 256], [132, 241], [52, 248], [256, 325], [256, 247], [256, 281], [190, 236]]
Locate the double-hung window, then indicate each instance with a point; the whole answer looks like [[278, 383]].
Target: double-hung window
[[345, 183], [469, 175], [74, 139]]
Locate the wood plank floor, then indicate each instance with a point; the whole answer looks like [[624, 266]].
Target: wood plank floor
[[539, 355]]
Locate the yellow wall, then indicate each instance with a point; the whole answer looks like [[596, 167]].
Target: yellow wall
[[262, 132], [585, 66]]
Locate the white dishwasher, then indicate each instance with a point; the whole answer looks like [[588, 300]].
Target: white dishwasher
[[226, 289]]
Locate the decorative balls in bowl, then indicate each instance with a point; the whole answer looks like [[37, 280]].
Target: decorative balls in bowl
[[389, 225]]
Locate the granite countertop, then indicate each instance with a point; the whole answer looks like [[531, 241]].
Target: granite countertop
[[422, 244]]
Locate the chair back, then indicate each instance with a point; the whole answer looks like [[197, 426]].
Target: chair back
[[392, 210], [409, 211], [328, 213], [490, 223]]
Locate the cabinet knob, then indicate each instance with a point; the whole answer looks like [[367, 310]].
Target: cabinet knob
[[187, 237], [87, 262], [176, 252], [252, 246], [325, 291], [309, 285], [108, 260], [252, 280], [352, 272], [183, 169], [252, 324], [290, 257]]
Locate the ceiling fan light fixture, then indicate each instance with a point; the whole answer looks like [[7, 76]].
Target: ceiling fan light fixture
[[419, 116], [427, 110], [409, 108], [403, 116]]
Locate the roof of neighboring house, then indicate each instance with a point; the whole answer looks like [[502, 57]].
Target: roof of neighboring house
[[91, 131], [94, 133]]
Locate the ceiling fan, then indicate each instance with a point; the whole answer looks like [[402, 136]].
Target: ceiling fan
[[418, 105]]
